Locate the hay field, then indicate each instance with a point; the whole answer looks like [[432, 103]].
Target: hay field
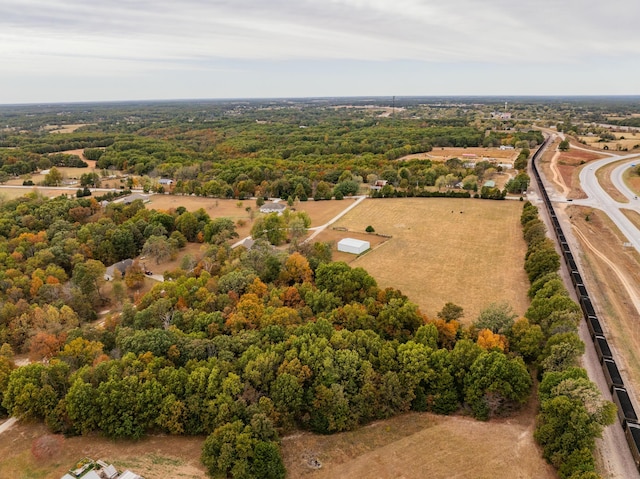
[[442, 154], [13, 193], [421, 445], [624, 139], [437, 254]]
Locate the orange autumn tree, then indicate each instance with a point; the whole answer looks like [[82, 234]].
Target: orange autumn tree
[[296, 270], [248, 313], [491, 341]]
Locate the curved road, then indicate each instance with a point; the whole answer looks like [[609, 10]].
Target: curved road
[[599, 198]]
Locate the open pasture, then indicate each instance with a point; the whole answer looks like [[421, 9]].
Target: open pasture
[[625, 140], [418, 445], [481, 153], [466, 251]]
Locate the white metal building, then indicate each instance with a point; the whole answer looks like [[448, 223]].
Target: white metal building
[[354, 246]]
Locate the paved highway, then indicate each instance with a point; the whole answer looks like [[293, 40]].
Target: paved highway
[[599, 198]]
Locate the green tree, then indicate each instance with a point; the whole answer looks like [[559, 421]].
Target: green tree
[[494, 383], [267, 461], [345, 282], [158, 247], [450, 312], [272, 227], [187, 224], [88, 276], [497, 317], [53, 178], [564, 145]]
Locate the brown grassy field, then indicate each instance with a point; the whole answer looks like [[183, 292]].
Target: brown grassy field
[[438, 255], [604, 178], [442, 154], [155, 457], [632, 180], [215, 208], [12, 193], [65, 128], [320, 212], [633, 216], [420, 445], [333, 236], [405, 446], [624, 139]]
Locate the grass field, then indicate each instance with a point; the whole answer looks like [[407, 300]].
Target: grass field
[[155, 457], [438, 254], [421, 445], [402, 447], [632, 180], [624, 140], [442, 154], [604, 178]]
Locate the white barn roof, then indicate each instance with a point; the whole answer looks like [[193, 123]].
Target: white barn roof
[[354, 246], [353, 243]]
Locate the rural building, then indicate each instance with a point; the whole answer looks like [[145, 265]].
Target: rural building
[[127, 200], [490, 184], [353, 246], [273, 208], [90, 469], [506, 147], [248, 242], [165, 181], [379, 184], [121, 267], [469, 164]]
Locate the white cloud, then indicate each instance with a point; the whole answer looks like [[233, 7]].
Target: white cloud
[[136, 37]]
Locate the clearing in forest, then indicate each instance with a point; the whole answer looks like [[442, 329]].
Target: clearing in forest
[[467, 154], [418, 445], [466, 251]]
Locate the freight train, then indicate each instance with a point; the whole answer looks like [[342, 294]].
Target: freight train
[[626, 412]]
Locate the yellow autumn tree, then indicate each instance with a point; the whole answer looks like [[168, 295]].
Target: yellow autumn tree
[[296, 270], [248, 313], [491, 341]]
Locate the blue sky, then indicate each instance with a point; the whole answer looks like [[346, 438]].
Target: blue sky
[[77, 50]]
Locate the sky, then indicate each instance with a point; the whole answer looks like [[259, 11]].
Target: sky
[[117, 50]]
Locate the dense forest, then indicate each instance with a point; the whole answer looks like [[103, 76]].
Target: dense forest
[[244, 345]]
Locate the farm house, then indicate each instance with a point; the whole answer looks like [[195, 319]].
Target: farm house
[[354, 246]]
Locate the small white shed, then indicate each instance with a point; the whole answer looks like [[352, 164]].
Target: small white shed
[[354, 246]]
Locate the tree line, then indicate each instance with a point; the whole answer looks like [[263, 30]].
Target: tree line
[[572, 411]]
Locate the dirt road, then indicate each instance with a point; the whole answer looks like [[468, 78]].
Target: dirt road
[[8, 424]]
